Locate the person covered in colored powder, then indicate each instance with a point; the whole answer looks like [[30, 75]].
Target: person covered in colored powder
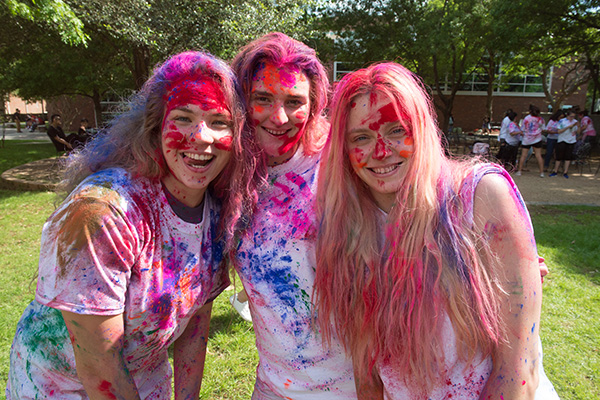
[[533, 125], [286, 87], [133, 258], [426, 266]]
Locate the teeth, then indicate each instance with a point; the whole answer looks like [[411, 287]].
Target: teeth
[[384, 170], [199, 157], [275, 133]]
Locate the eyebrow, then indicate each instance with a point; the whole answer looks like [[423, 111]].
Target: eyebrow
[[265, 93]]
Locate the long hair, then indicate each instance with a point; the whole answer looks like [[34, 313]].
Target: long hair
[[132, 141], [386, 286], [283, 51]]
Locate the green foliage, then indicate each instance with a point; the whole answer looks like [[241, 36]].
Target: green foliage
[[52, 14]]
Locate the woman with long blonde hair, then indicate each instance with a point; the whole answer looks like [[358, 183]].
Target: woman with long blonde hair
[[426, 266]]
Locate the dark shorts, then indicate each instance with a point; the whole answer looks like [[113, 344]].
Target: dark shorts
[[535, 145], [564, 151]]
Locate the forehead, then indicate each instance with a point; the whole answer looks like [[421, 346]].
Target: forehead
[[286, 79], [201, 90], [371, 111]]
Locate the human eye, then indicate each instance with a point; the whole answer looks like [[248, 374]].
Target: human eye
[[397, 131], [359, 138], [261, 99], [222, 123]]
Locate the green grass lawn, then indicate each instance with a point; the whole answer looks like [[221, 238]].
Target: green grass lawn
[[568, 237]]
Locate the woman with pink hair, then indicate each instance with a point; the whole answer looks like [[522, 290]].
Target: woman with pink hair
[[131, 261], [427, 267], [285, 87]]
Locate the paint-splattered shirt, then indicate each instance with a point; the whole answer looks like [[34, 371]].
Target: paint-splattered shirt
[[462, 381], [277, 267], [114, 247], [532, 129]]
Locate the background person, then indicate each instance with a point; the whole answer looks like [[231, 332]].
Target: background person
[[567, 137], [533, 126], [552, 137], [427, 267], [132, 259], [588, 133]]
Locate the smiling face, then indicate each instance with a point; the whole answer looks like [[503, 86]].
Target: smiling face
[[279, 107], [379, 144], [196, 139]]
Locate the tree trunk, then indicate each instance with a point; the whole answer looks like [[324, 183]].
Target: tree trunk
[[141, 65]]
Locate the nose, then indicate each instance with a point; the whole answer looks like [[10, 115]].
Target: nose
[[202, 134], [382, 149], [279, 116]]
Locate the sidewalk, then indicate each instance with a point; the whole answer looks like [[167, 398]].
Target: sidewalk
[[11, 134]]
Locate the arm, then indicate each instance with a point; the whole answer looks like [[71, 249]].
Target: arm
[[98, 347], [63, 141], [501, 218], [368, 389], [189, 355]]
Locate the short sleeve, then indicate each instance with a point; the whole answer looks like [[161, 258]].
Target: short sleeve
[[87, 254]]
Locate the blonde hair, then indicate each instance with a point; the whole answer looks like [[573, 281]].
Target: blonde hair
[[386, 287]]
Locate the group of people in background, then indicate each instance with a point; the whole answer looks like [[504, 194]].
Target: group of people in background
[[375, 266], [562, 134]]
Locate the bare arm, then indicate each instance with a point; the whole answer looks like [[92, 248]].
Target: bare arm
[[500, 217], [98, 346], [190, 353]]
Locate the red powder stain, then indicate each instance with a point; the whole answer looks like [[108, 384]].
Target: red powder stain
[[287, 383], [380, 147], [203, 91], [174, 139], [105, 389], [523, 383], [224, 143], [387, 114], [290, 142], [353, 104]]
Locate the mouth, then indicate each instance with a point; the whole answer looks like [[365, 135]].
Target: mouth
[[197, 160], [385, 170], [276, 132]]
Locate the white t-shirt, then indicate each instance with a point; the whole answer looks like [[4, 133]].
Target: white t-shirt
[[504, 128], [462, 381], [570, 134], [276, 262], [113, 247]]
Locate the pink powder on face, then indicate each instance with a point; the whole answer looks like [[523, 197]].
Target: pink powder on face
[[290, 142], [225, 143], [356, 158], [204, 92], [387, 114], [174, 139]]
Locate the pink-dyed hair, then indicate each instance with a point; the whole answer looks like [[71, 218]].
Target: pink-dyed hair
[[283, 51], [133, 140], [385, 285]]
